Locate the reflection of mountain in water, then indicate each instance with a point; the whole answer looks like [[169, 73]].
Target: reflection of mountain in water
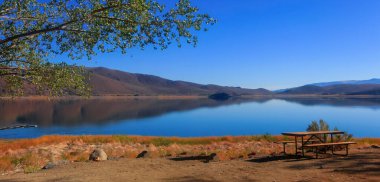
[[373, 103], [101, 111], [95, 111]]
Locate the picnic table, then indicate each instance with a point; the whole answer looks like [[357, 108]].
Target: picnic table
[[315, 139]]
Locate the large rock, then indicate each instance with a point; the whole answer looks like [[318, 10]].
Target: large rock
[[98, 155], [142, 154]]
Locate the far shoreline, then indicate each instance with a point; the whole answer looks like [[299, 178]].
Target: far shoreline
[[277, 96]]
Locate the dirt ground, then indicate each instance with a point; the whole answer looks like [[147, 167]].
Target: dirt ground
[[361, 165]]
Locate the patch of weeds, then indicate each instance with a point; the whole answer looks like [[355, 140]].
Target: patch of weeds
[[5, 163], [31, 169], [123, 139], [286, 138], [18, 160], [268, 137], [161, 141]]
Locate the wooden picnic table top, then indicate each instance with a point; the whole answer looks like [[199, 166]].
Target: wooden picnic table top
[[311, 133]]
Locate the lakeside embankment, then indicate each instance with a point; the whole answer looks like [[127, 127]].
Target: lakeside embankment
[[272, 96], [30, 155]]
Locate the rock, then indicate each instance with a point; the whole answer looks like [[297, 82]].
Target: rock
[[98, 155], [375, 146], [49, 165], [142, 154], [211, 157]]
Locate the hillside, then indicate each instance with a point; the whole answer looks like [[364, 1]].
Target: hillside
[[348, 82], [340, 89], [106, 81], [110, 82]]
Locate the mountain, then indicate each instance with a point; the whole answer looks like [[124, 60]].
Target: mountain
[[113, 82], [342, 89], [349, 87], [349, 82], [106, 81]]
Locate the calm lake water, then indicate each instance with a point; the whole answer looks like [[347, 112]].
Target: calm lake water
[[187, 117]]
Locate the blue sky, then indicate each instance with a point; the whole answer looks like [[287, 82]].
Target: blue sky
[[270, 44]]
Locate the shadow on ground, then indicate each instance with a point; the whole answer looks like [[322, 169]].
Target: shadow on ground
[[189, 179], [203, 158], [367, 163]]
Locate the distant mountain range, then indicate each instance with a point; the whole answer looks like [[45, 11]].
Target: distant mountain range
[[106, 81], [349, 82], [350, 87]]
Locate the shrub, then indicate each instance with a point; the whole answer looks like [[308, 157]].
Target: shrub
[[323, 126]]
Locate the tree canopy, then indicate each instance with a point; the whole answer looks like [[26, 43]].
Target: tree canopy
[[32, 31]]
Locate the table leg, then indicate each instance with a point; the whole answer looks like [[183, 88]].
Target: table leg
[[295, 142], [303, 152], [316, 152]]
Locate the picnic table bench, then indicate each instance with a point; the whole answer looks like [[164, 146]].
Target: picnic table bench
[[317, 145], [316, 140]]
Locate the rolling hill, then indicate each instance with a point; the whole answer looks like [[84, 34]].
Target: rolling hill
[[353, 87], [106, 81], [349, 82], [110, 82]]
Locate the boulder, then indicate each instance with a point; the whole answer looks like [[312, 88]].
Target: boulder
[[375, 146], [142, 154], [49, 165], [98, 155], [212, 157]]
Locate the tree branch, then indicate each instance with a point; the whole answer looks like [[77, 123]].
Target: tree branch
[[105, 8], [37, 32], [11, 74], [12, 68], [59, 27], [6, 10], [75, 30], [17, 18], [112, 18]]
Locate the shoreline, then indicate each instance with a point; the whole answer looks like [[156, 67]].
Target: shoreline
[[279, 96]]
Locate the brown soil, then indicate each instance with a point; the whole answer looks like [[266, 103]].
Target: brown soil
[[361, 165]]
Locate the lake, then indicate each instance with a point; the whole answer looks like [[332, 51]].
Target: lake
[[187, 117]]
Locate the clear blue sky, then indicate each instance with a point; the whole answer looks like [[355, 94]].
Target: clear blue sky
[[271, 44]]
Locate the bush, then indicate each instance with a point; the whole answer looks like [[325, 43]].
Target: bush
[[323, 126]]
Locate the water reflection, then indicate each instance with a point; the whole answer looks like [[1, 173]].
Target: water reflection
[[373, 103], [187, 117], [74, 112]]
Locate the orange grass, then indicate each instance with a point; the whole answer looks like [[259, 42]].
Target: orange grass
[[158, 141], [368, 141], [31, 154]]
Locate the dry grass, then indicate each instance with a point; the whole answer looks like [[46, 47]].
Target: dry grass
[[30, 155], [367, 141], [157, 141]]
